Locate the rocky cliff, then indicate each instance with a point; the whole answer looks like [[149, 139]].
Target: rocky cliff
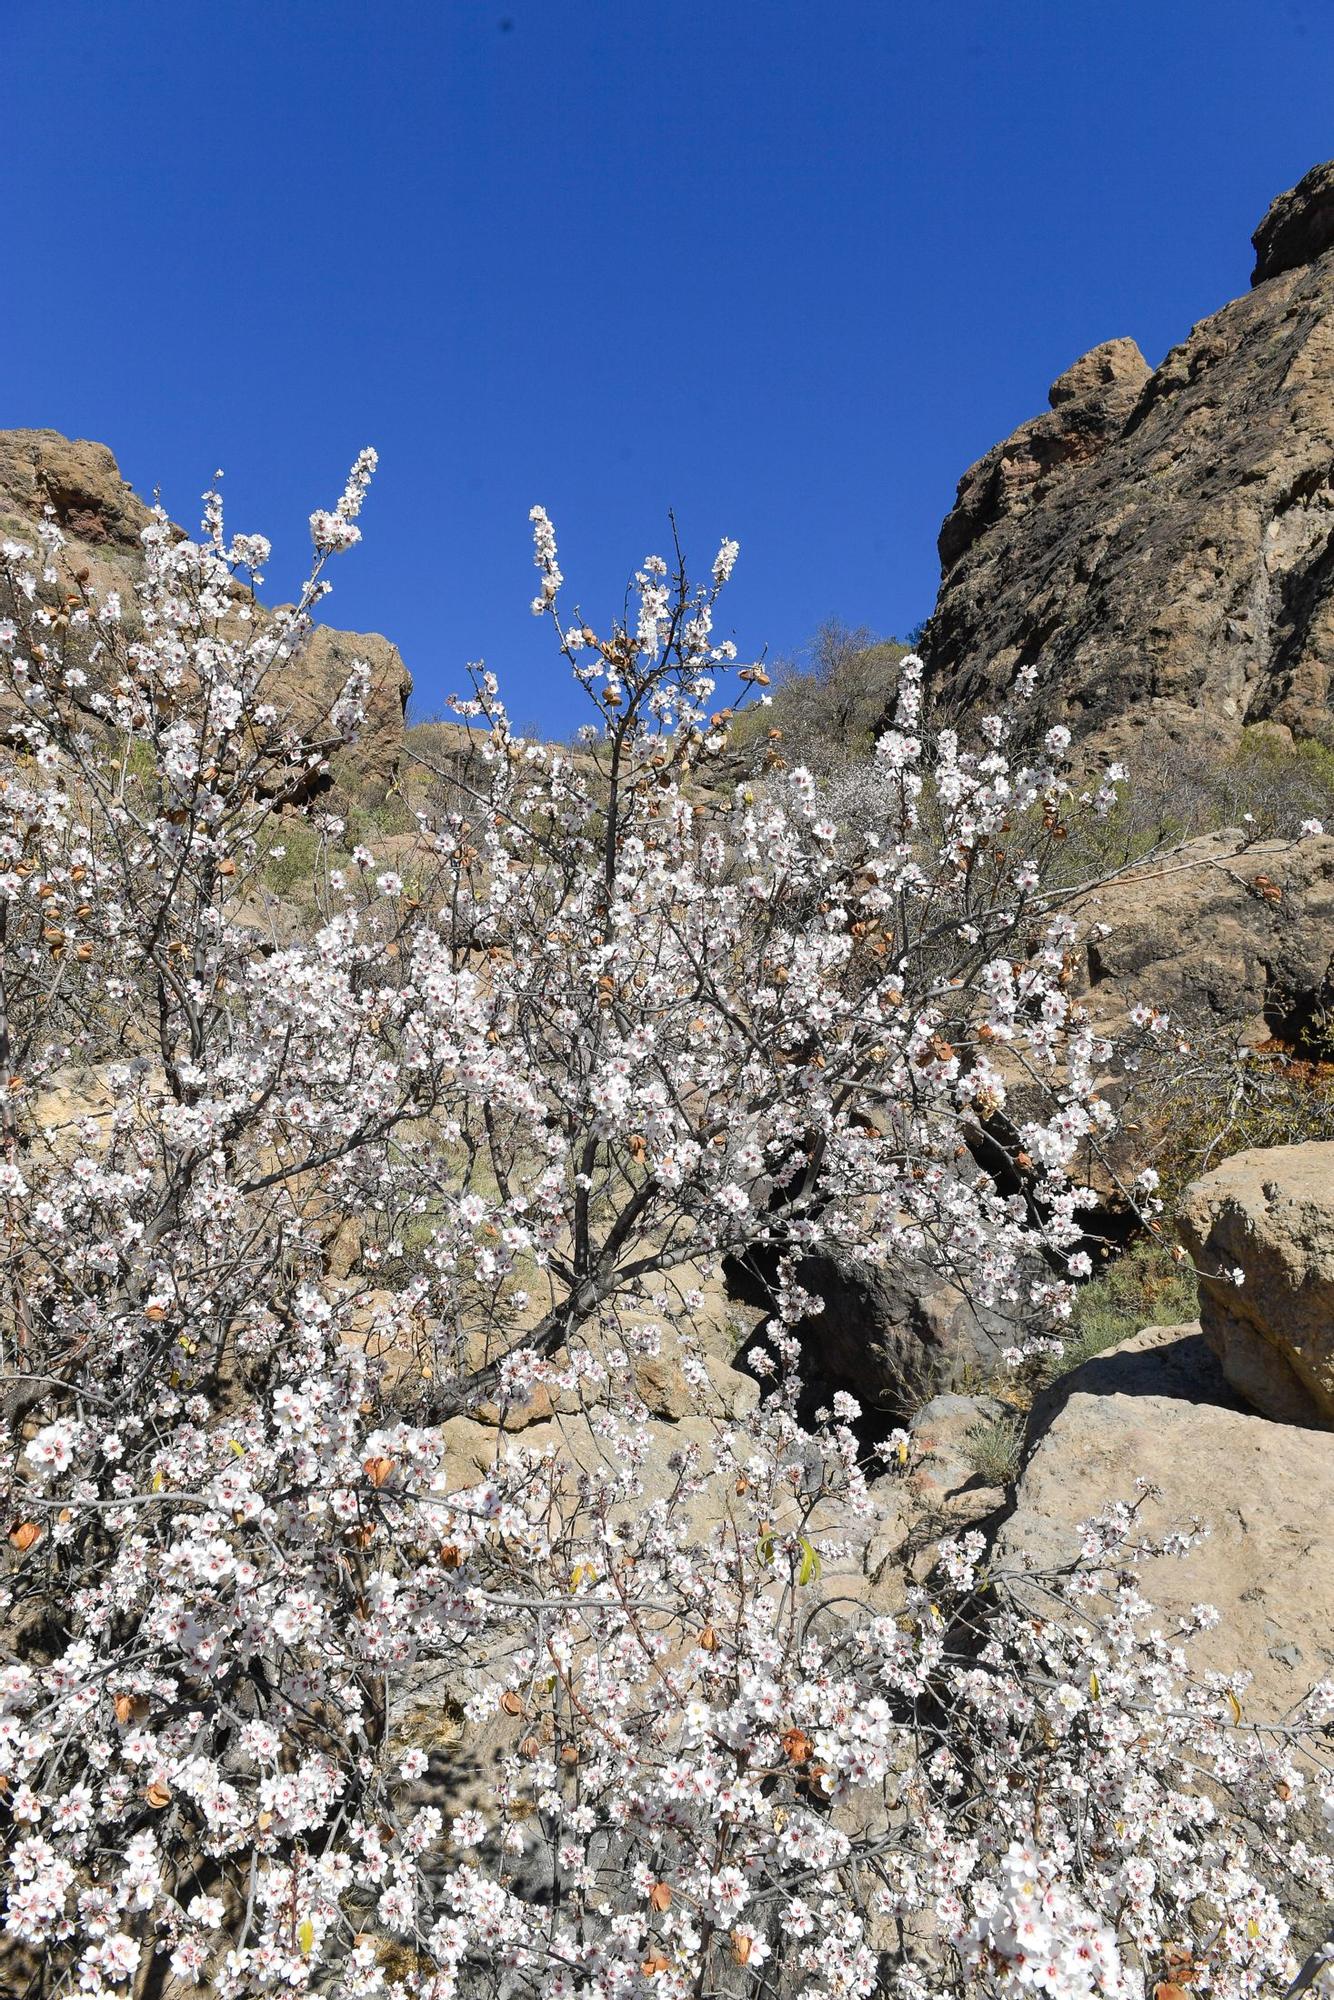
[[103, 519], [1158, 543]]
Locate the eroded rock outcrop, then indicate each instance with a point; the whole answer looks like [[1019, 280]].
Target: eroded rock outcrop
[[367, 768], [1222, 933], [80, 480], [103, 519], [1089, 406], [1270, 1215], [1299, 226], [1159, 544]]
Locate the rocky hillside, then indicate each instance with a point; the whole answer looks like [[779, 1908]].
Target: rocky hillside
[[1158, 543], [103, 519]]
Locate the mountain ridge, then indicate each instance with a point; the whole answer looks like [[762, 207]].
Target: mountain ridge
[[1158, 542]]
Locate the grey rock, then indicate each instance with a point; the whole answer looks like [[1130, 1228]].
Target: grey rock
[[893, 1334]]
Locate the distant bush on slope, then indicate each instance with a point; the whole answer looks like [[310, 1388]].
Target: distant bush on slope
[[1265, 783], [831, 710], [831, 706]]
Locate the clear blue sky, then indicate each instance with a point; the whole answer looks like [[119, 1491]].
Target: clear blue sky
[[786, 266]]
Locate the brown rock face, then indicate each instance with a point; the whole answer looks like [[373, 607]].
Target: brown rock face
[[313, 681], [79, 479], [1220, 934], [1234, 942], [103, 519], [1089, 407], [1269, 1213], [1159, 545]]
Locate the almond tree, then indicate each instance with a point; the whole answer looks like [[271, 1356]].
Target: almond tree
[[612, 1022]]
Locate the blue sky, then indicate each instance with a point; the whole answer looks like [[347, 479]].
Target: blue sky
[[785, 267]]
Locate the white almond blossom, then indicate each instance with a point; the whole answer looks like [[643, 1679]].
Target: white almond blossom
[[615, 1021]]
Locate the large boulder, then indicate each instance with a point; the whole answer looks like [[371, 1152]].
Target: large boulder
[[891, 1334], [1158, 1408], [1270, 1215], [1158, 545]]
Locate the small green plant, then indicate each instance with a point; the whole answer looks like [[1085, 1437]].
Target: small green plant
[[1145, 1287], [291, 847], [995, 1448], [367, 823]]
